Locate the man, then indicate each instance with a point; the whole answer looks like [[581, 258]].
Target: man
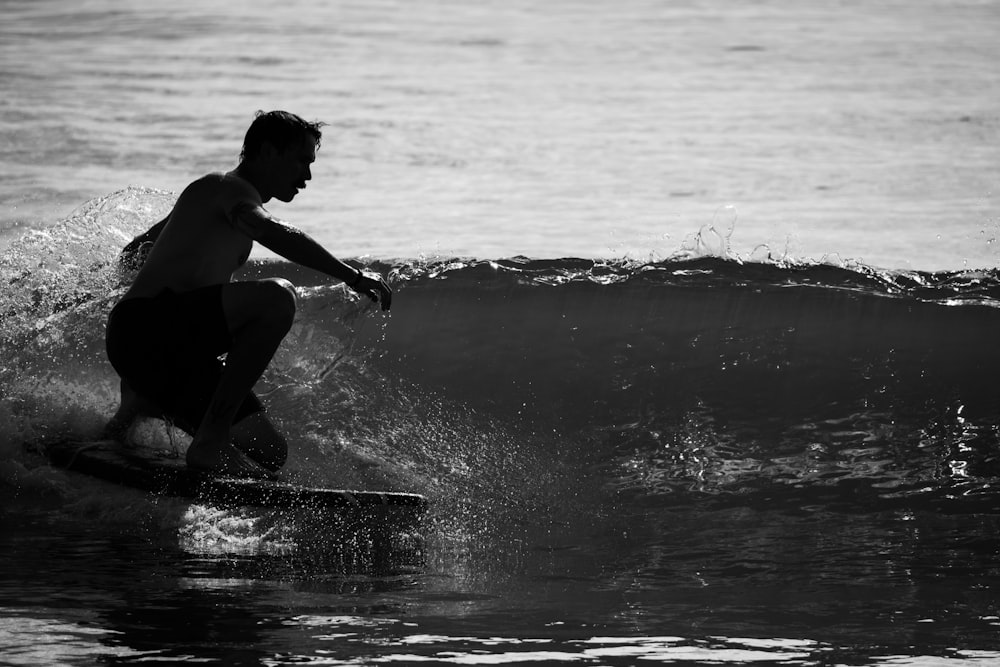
[[182, 312]]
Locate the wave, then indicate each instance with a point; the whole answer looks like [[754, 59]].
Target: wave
[[497, 383]]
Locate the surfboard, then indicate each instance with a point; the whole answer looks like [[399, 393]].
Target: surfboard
[[160, 472]]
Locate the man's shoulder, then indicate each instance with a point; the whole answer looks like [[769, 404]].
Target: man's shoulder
[[227, 181], [221, 189]]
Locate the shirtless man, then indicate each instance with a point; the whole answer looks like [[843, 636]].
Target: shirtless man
[[182, 312]]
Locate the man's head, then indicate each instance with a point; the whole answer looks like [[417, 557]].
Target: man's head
[[278, 149], [280, 129]]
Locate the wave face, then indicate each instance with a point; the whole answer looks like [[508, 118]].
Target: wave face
[[713, 376], [499, 384]]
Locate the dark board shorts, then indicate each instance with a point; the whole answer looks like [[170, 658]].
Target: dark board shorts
[[168, 348]]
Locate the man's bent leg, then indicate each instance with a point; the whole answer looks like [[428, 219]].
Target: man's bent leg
[[256, 436], [258, 315]]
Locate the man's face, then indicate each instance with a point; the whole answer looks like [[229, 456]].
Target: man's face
[[289, 169]]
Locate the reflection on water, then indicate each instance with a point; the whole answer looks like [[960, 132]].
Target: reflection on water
[[29, 640], [753, 576]]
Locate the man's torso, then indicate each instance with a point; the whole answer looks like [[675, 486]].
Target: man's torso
[[199, 246]]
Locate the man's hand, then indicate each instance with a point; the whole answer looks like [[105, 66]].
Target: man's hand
[[375, 288]]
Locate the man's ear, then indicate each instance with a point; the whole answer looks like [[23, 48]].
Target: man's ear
[[268, 150]]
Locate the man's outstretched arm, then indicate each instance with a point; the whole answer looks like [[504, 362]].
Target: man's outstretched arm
[[298, 247]]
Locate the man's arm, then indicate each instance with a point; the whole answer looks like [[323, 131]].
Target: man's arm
[[134, 254], [297, 246]]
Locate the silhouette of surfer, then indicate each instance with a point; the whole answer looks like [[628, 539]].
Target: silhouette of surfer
[[183, 312]]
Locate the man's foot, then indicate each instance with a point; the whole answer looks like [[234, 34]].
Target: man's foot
[[225, 462], [132, 407]]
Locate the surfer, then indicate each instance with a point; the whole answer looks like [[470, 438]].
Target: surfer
[[183, 312]]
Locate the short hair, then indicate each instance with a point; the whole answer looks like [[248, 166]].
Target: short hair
[[281, 129]]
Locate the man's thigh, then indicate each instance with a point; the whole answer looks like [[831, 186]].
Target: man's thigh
[[257, 301]]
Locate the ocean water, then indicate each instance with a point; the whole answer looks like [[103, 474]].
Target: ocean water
[[565, 128], [693, 350]]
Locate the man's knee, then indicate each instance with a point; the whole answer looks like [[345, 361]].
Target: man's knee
[[278, 298]]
